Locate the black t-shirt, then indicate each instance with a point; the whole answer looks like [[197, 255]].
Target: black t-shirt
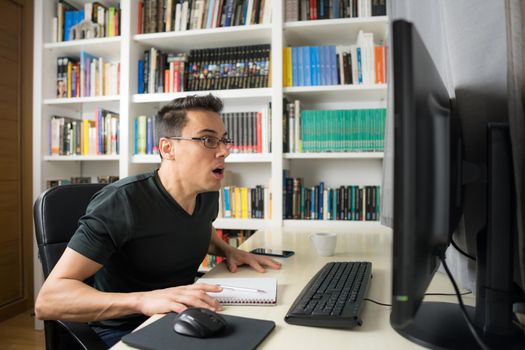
[[142, 237]]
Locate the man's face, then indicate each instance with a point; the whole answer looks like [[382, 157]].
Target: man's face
[[199, 167]]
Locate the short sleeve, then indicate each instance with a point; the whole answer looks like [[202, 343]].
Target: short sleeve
[[105, 226]]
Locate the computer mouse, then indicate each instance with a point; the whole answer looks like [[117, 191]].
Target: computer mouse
[[199, 322]]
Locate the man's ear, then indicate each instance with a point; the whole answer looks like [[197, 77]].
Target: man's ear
[[166, 149]]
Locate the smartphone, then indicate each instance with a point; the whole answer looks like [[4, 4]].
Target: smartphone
[[273, 252]]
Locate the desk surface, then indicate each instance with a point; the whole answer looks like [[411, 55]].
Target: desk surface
[[373, 245]]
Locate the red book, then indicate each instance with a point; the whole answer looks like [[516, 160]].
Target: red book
[[167, 84], [313, 9], [77, 73], [176, 76], [140, 18], [380, 64]]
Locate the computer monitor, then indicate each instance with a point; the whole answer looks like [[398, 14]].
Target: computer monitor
[[429, 178]]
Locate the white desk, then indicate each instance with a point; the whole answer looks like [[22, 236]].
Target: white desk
[[373, 245]]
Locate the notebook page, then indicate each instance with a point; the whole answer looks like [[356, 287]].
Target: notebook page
[[240, 297]]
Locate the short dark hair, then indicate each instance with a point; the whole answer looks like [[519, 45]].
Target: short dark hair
[[172, 118]]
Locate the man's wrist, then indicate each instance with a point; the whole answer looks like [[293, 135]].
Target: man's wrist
[[136, 301], [229, 250]]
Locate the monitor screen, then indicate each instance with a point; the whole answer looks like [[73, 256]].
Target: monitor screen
[[428, 204]]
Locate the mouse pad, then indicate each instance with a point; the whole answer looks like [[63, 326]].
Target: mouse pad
[[242, 333]]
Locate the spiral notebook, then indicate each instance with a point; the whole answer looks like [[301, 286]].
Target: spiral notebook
[[244, 291]]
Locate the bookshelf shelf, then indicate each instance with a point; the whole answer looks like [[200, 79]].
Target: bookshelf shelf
[[81, 100], [334, 93], [145, 159], [232, 158], [105, 47], [240, 224], [208, 38], [249, 158], [111, 157], [263, 94], [335, 155], [329, 224], [332, 31]]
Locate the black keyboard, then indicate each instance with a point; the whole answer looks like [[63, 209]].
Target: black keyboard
[[333, 298]]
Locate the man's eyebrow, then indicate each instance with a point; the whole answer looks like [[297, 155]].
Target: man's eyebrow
[[207, 131]]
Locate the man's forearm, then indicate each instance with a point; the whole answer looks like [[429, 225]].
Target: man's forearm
[[71, 300]]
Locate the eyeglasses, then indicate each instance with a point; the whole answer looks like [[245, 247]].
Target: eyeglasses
[[207, 141]]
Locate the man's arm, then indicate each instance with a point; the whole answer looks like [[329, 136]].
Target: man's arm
[[236, 257], [64, 296]]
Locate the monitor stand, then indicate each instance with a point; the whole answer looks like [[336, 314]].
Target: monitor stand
[[440, 325]]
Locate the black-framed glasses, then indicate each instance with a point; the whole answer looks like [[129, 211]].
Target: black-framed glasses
[[207, 141]]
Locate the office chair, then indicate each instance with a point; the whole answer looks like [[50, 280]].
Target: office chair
[[56, 214]]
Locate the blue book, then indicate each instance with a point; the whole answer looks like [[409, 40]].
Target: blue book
[[329, 204], [334, 205], [353, 215], [68, 20], [336, 4], [140, 88], [321, 9], [359, 67], [227, 205], [307, 66], [300, 67], [295, 81], [323, 76], [73, 82], [318, 64], [313, 65], [333, 64], [149, 136], [314, 203], [321, 204], [229, 13], [100, 135]]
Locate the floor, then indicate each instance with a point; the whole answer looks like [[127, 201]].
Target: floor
[[18, 333]]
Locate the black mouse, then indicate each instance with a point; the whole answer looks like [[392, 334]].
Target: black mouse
[[199, 322]]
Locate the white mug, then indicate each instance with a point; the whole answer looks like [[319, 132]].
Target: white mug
[[324, 243]]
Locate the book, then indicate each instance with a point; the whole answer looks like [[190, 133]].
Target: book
[[230, 295]]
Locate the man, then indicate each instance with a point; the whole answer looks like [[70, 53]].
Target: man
[[144, 237]]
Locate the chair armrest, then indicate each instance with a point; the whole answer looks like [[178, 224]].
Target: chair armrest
[[84, 335]]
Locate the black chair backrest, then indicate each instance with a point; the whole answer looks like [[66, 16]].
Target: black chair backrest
[[56, 213]]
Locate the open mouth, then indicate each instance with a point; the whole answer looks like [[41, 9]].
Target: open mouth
[[218, 171]]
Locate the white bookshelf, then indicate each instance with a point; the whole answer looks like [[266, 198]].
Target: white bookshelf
[[251, 95], [81, 158], [334, 155], [334, 169], [337, 93], [107, 47], [218, 37], [327, 225], [240, 224]]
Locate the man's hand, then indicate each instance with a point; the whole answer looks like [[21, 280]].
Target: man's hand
[[237, 257], [179, 299]]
